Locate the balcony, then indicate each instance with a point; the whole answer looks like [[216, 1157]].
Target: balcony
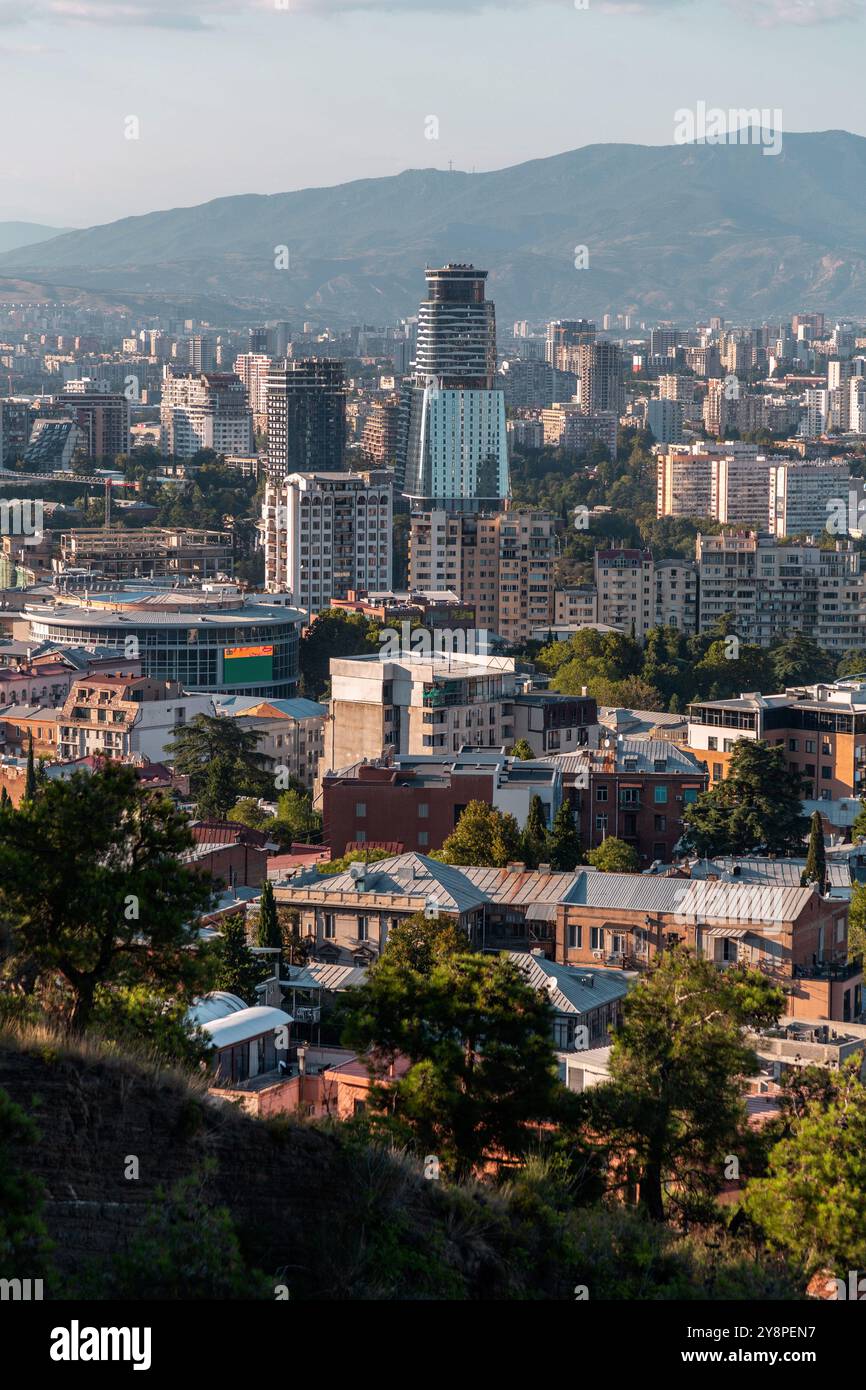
[[829, 970]]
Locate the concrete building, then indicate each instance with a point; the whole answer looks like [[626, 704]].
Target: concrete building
[[740, 490], [306, 408], [206, 411], [148, 552], [676, 595], [418, 704], [570, 425], [101, 415], [625, 583], [501, 565], [535, 384], [774, 589], [552, 723], [800, 494], [252, 369], [327, 534], [664, 417], [575, 606]]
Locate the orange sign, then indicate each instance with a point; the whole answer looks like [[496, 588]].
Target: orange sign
[[237, 652]]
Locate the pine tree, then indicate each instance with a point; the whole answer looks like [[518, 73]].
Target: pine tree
[[533, 841], [816, 859], [269, 933], [239, 971], [30, 784], [564, 850]]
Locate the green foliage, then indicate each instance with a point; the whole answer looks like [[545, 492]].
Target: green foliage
[[24, 1245], [238, 970], [757, 808], [187, 1248], [564, 850], [420, 942], [673, 1109], [137, 1018], [333, 633], [93, 886], [614, 856], [296, 821], [249, 812], [482, 1074], [857, 922], [816, 859], [355, 856], [482, 836], [533, 841], [522, 750], [268, 932], [222, 762], [812, 1204]]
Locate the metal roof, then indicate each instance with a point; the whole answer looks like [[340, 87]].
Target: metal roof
[[568, 987], [411, 874], [696, 900], [509, 886], [777, 872], [244, 1025]]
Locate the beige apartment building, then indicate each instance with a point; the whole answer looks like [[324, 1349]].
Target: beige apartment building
[[417, 704], [501, 565], [625, 583], [574, 606]]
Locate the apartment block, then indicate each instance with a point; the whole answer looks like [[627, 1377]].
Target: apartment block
[[802, 493], [774, 589], [206, 411], [676, 595], [575, 606], [326, 534], [625, 583], [501, 565], [120, 716]]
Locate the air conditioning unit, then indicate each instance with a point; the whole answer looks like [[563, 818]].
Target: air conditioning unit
[[598, 955]]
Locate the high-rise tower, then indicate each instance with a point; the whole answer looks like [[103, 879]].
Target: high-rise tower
[[306, 404], [456, 452]]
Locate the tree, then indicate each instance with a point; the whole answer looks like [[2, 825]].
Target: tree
[[355, 856], [296, 820], [522, 750], [858, 829], [482, 836], [138, 1018], [24, 1244], [614, 856], [857, 922], [334, 633], [533, 841], [816, 859], [249, 812], [222, 762], [756, 808], [482, 1074], [93, 887], [30, 784], [811, 1204], [420, 942], [564, 850], [238, 971], [674, 1106], [798, 660], [269, 933]]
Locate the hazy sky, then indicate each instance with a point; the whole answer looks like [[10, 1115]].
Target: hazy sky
[[236, 96]]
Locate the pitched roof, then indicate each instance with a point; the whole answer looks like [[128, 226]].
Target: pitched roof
[[572, 989], [690, 899]]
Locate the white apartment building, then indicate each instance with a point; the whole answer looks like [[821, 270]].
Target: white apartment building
[[209, 410], [417, 704], [740, 490], [327, 533], [625, 584], [774, 590], [252, 368], [665, 418], [800, 494], [676, 595]]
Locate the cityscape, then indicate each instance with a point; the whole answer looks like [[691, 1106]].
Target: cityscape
[[433, 705]]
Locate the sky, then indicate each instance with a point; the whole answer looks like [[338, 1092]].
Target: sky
[[267, 96]]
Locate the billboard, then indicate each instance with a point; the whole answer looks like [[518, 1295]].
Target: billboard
[[248, 665]]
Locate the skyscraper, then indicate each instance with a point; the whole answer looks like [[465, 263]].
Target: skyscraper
[[306, 405], [456, 452]]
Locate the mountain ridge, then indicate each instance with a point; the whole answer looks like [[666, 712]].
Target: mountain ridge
[[670, 231]]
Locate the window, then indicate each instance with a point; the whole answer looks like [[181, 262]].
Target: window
[[713, 745], [690, 795], [659, 850], [363, 929], [660, 796], [596, 938], [826, 773], [360, 836], [793, 745], [575, 936], [717, 772], [423, 837], [661, 823], [328, 930], [601, 793], [360, 808], [423, 810], [601, 824], [810, 745]]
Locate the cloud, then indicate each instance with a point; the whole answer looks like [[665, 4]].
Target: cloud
[[769, 13]]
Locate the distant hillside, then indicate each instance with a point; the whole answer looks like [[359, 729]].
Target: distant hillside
[[672, 232], [15, 234]]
